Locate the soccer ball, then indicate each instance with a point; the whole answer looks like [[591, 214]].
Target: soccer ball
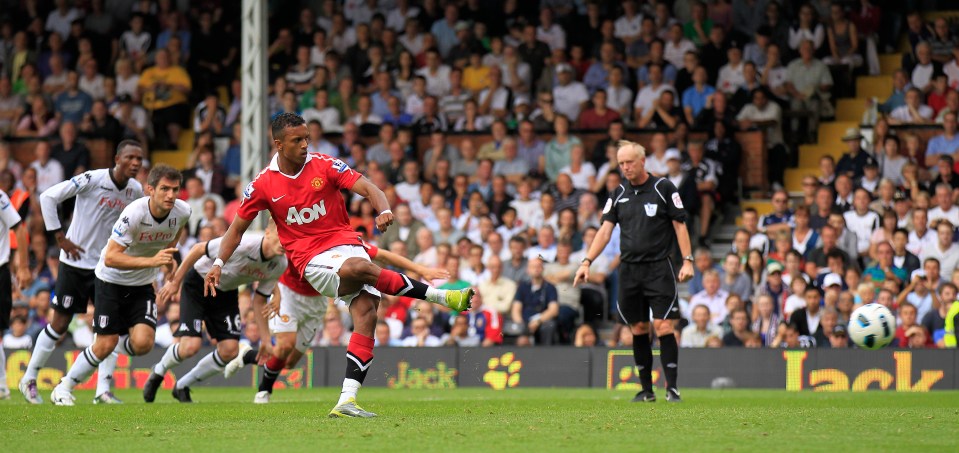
[[872, 326]]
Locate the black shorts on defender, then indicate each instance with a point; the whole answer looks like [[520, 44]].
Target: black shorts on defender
[[221, 313], [74, 289], [6, 298], [119, 307], [648, 286]]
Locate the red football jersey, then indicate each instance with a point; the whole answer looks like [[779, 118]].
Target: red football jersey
[[293, 278], [308, 210]]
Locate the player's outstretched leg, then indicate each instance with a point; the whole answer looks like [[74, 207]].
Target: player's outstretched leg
[[643, 355], [397, 284], [359, 356]]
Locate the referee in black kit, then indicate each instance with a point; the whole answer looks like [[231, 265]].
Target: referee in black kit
[[652, 224]]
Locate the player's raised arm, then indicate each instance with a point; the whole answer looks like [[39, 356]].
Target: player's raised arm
[[172, 286], [228, 245], [368, 190], [50, 201]]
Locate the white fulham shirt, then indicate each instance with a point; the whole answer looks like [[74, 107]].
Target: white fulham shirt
[[143, 236], [99, 202], [245, 266]]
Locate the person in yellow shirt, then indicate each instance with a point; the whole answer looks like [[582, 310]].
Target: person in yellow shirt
[[164, 89], [476, 75]]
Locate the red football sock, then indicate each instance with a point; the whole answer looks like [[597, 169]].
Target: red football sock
[[359, 357], [397, 284]]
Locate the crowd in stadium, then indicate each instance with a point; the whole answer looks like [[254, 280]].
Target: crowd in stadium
[[400, 90]]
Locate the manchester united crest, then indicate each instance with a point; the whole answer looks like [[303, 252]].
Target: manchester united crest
[[317, 183]]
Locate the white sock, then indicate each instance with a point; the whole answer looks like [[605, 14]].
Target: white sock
[[436, 295], [171, 358], [210, 365], [105, 375], [123, 346], [3, 368], [82, 368], [46, 343], [350, 387]]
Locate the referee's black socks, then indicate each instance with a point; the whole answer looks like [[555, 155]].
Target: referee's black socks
[[643, 354], [669, 356]]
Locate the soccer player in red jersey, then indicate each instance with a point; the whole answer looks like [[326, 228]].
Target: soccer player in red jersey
[[296, 317], [302, 192]]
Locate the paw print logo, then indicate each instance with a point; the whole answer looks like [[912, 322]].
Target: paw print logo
[[503, 372]]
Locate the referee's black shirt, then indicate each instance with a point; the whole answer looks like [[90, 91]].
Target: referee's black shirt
[[645, 214]]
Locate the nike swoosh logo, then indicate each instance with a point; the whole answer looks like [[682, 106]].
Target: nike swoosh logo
[[278, 198], [146, 224]]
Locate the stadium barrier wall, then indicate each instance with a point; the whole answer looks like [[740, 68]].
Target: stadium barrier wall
[[504, 368]]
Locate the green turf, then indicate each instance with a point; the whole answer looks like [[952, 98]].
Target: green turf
[[516, 420]]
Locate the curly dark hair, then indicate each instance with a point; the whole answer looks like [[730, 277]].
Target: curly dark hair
[[283, 121]]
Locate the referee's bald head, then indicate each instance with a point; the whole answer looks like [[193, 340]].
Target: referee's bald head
[[630, 146]]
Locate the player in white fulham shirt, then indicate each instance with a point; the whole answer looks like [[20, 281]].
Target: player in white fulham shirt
[[125, 312], [10, 219], [101, 195], [259, 258]]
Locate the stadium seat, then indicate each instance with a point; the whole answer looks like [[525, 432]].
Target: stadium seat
[[185, 143], [175, 158], [874, 86], [889, 63], [830, 134], [850, 109], [809, 155], [794, 177]]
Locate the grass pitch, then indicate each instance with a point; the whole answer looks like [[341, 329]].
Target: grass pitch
[[516, 420]]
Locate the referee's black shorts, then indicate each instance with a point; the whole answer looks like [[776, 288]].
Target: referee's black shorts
[[648, 286]]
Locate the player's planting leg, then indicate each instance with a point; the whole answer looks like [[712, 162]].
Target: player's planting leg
[[285, 342], [359, 356], [46, 343], [209, 366], [669, 356], [643, 355], [171, 358], [86, 362]]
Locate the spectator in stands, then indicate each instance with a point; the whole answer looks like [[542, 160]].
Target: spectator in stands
[[664, 114], [677, 46], [731, 74], [739, 333], [702, 261], [902, 257], [942, 41], [808, 82], [712, 296], [925, 68], [944, 250], [56, 81], [164, 89], [536, 306], [862, 221], [697, 332], [734, 281], [209, 115], [696, 97], [717, 109], [39, 121], [823, 206], [651, 91], [844, 193], [885, 268], [766, 116], [767, 318], [49, 171], [843, 39], [945, 208], [829, 248], [599, 116], [913, 111], [132, 119], [807, 28], [946, 143], [807, 320], [99, 124], [921, 237], [73, 156], [892, 163], [853, 161]]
